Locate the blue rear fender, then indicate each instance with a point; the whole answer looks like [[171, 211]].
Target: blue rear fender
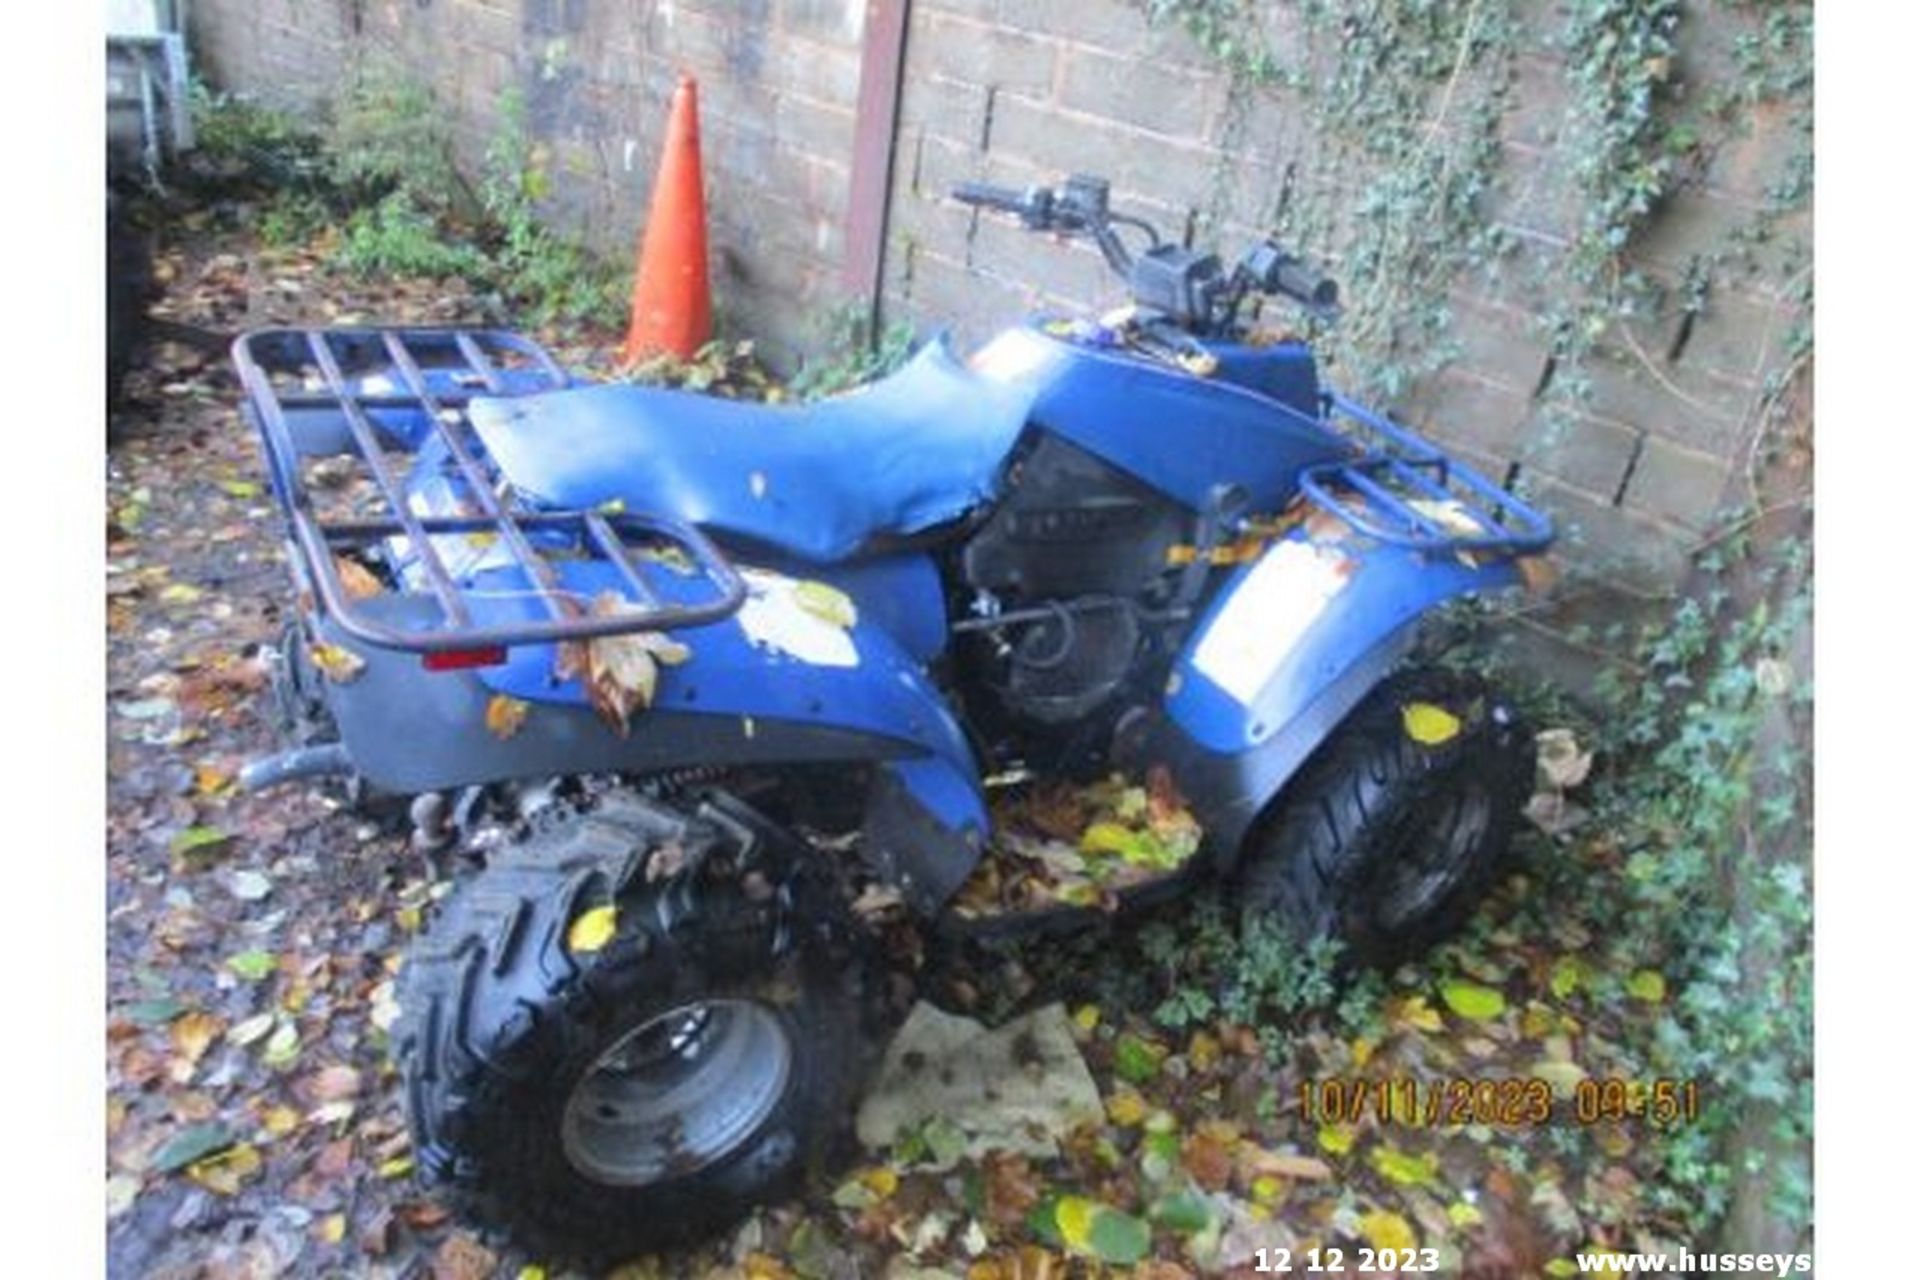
[[778, 683], [1290, 645]]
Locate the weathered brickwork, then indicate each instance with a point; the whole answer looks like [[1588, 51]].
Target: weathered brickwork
[[778, 80], [1016, 93], [1025, 92]]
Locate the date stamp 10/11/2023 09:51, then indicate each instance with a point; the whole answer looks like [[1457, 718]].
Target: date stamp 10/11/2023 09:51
[[1512, 1101]]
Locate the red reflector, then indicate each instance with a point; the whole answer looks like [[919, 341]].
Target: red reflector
[[461, 659]]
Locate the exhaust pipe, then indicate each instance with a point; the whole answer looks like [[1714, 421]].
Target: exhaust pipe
[[292, 766]]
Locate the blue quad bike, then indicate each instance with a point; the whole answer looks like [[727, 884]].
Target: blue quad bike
[[704, 679]]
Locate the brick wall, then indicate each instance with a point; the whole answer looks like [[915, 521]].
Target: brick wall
[[777, 82], [1025, 92], [1018, 93]]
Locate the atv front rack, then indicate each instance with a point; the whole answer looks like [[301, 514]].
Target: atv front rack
[[378, 392], [1404, 491]]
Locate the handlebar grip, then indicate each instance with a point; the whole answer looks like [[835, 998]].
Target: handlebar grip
[[1005, 199], [1303, 286]]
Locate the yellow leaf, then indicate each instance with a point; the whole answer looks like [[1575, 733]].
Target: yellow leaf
[[1462, 1214], [1086, 1017], [339, 665], [1471, 1000], [280, 1121], [1362, 1050], [1568, 974], [1074, 1216], [332, 1229], [398, 1167], [882, 1181], [829, 604], [1429, 725], [1402, 1169], [1385, 1229], [211, 780], [1336, 1139], [1126, 1108], [505, 715], [1647, 985], [1415, 1012], [191, 1033], [1203, 1051], [222, 1174], [593, 928]]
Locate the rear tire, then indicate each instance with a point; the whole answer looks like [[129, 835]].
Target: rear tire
[[1384, 842], [558, 1093]]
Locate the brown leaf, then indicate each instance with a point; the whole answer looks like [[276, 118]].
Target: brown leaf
[[1208, 1159], [620, 672], [1271, 1164], [191, 1033], [1011, 1187], [461, 1257], [357, 579], [331, 1084]]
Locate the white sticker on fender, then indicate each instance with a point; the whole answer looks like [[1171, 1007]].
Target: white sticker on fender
[[1267, 614], [774, 617]]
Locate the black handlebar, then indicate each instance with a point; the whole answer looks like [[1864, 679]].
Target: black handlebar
[[1188, 288], [1005, 199]]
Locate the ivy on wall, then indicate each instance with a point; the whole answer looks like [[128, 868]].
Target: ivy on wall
[[1401, 160]]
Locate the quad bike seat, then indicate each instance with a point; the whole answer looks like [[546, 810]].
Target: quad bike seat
[[820, 481]]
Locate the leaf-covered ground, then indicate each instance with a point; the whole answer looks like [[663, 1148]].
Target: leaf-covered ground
[[254, 1125]]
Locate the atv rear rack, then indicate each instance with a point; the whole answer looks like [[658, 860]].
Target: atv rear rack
[[1415, 495], [407, 390]]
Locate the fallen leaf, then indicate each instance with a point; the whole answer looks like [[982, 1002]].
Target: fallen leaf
[[1336, 1139], [1384, 1229], [283, 1046], [253, 965], [1098, 1231], [224, 1172], [358, 580], [122, 1190], [191, 1034], [342, 666], [593, 928], [1300, 1168], [1471, 1000], [1403, 1169], [248, 1030], [331, 1084], [1429, 725], [461, 1257], [505, 715], [197, 843], [1647, 985], [620, 673], [249, 885], [1562, 764], [1136, 1059], [191, 1144], [1208, 1159]]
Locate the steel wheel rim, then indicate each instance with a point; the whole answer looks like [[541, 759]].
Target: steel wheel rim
[[1431, 855], [677, 1093]]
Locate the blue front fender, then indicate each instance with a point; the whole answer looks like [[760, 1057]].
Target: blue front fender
[[1289, 646]]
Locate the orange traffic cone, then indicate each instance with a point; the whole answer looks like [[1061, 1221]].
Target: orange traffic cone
[[672, 311]]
